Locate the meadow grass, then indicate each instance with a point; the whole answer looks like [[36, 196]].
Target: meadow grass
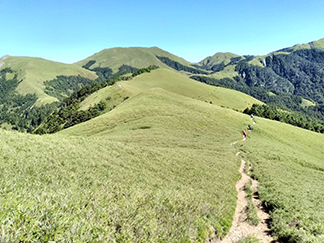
[[177, 83], [158, 168], [288, 162], [111, 95], [35, 71]]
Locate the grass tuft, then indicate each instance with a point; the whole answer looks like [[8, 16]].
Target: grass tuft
[[251, 212], [249, 239]]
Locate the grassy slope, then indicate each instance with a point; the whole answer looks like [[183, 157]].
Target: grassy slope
[[228, 72], [34, 71], [157, 167], [139, 57], [111, 95], [288, 162], [318, 44], [218, 58], [177, 83], [306, 103]]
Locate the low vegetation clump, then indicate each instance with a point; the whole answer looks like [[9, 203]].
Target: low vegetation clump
[[249, 239], [251, 212]]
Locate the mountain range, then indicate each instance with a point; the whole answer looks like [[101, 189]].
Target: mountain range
[[263, 70], [291, 78]]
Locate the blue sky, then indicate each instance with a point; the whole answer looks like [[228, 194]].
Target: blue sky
[[70, 30]]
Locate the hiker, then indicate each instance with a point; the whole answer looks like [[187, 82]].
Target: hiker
[[252, 116], [249, 127], [244, 134]]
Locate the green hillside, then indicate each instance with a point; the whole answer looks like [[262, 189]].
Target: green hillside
[[218, 58], [177, 83], [318, 44], [288, 162], [35, 71], [293, 74], [138, 57], [156, 168], [156, 164]]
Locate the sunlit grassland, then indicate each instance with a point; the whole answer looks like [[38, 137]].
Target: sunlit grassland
[[139, 57], [218, 58], [35, 71], [318, 44], [228, 72], [111, 95], [158, 167], [306, 103], [288, 162], [177, 83], [257, 61]]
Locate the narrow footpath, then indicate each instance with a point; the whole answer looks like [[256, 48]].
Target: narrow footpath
[[240, 228]]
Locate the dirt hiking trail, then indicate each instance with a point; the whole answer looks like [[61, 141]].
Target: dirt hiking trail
[[240, 228]]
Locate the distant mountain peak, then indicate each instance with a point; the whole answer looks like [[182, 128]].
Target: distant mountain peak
[[218, 58], [4, 57], [138, 57]]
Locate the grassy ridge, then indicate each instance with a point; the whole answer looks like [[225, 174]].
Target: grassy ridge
[[157, 168], [139, 57], [177, 83], [218, 58], [288, 162], [317, 44], [35, 71]]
